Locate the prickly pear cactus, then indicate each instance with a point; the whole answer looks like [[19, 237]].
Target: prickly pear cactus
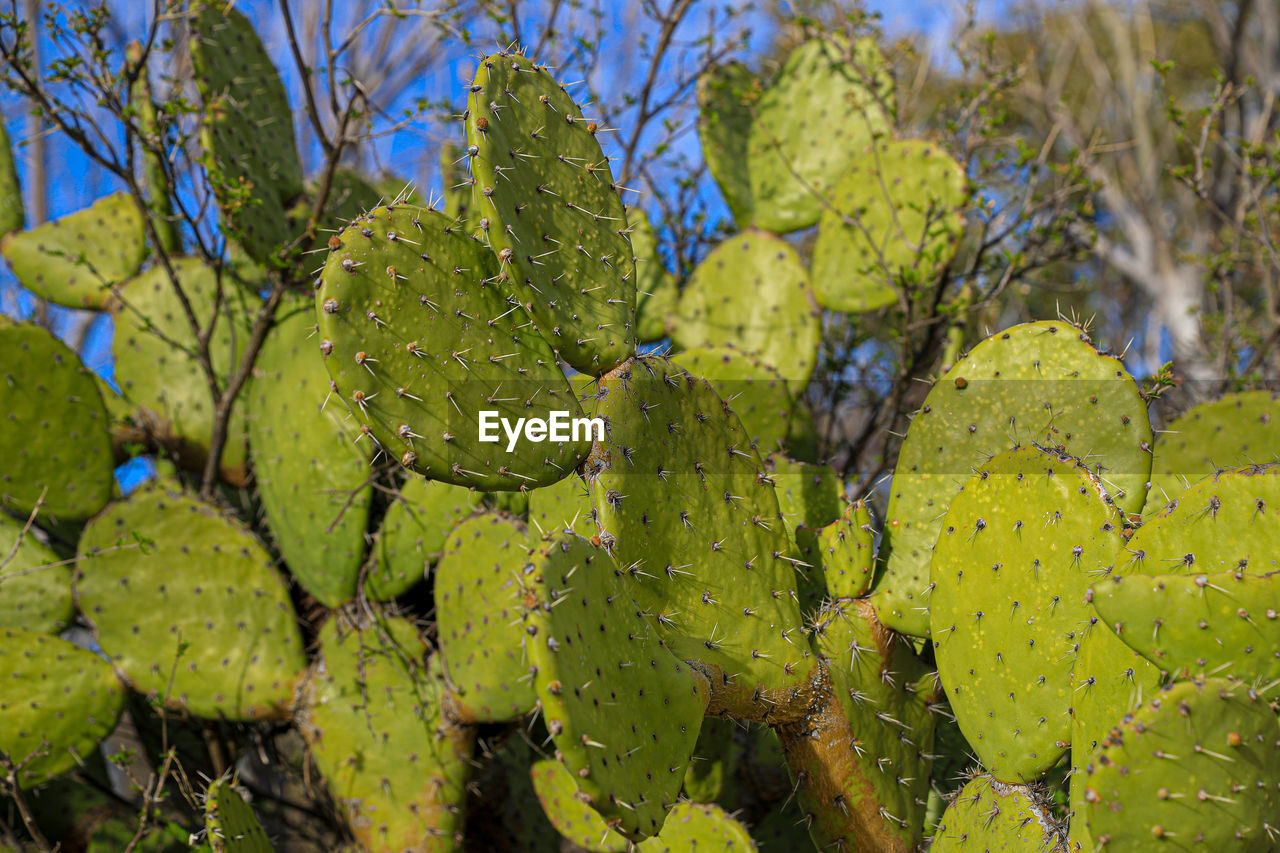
[[656, 289], [752, 292], [841, 555], [556, 222], [829, 101], [312, 477], [419, 339], [754, 389], [57, 449], [699, 826], [710, 777], [1225, 622], [1237, 430], [414, 531], [162, 376], [862, 765], [1034, 383], [1019, 548], [230, 822], [597, 651], [893, 223], [685, 507], [12, 213], [726, 93], [481, 619], [569, 813], [188, 607], [247, 135], [78, 260], [35, 586], [562, 507], [989, 816], [808, 494], [1225, 523], [372, 715], [1194, 768], [58, 701]]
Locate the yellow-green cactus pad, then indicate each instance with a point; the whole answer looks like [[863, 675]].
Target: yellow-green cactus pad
[[414, 531], [569, 813], [894, 222], [230, 822], [596, 652], [699, 826], [686, 508], [753, 293], [725, 96], [374, 721], [480, 589], [988, 816], [656, 289], [420, 340], [1040, 383], [1237, 430], [78, 260], [157, 366], [58, 702], [1019, 548], [312, 476], [755, 390], [188, 606], [35, 586], [555, 219], [829, 101], [53, 428], [1197, 768]]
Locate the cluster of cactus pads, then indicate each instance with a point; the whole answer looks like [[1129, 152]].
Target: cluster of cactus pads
[[671, 637]]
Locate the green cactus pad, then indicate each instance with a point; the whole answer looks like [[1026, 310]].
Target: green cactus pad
[[596, 652], [1222, 623], [312, 478], [373, 718], [54, 429], [187, 605], [156, 362], [1196, 768], [1019, 548], [725, 95], [756, 391], [686, 508], [1226, 523], [414, 532], [562, 506], [656, 289], [78, 260], [1034, 383], [247, 135], [59, 701], [894, 222], [1108, 681], [863, 763], [35, 592], [555, 219], [564, 806], [808, 494], [482, 624], [752, 292], [1237, 430], [827, 104], [420, 340], [699, 826], [710, 777], [841, 555], [12, 213], [989, 816], [230, 823], [456, 176]]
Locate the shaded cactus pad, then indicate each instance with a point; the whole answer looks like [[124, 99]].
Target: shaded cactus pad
[[988, 816], [230, 822]]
